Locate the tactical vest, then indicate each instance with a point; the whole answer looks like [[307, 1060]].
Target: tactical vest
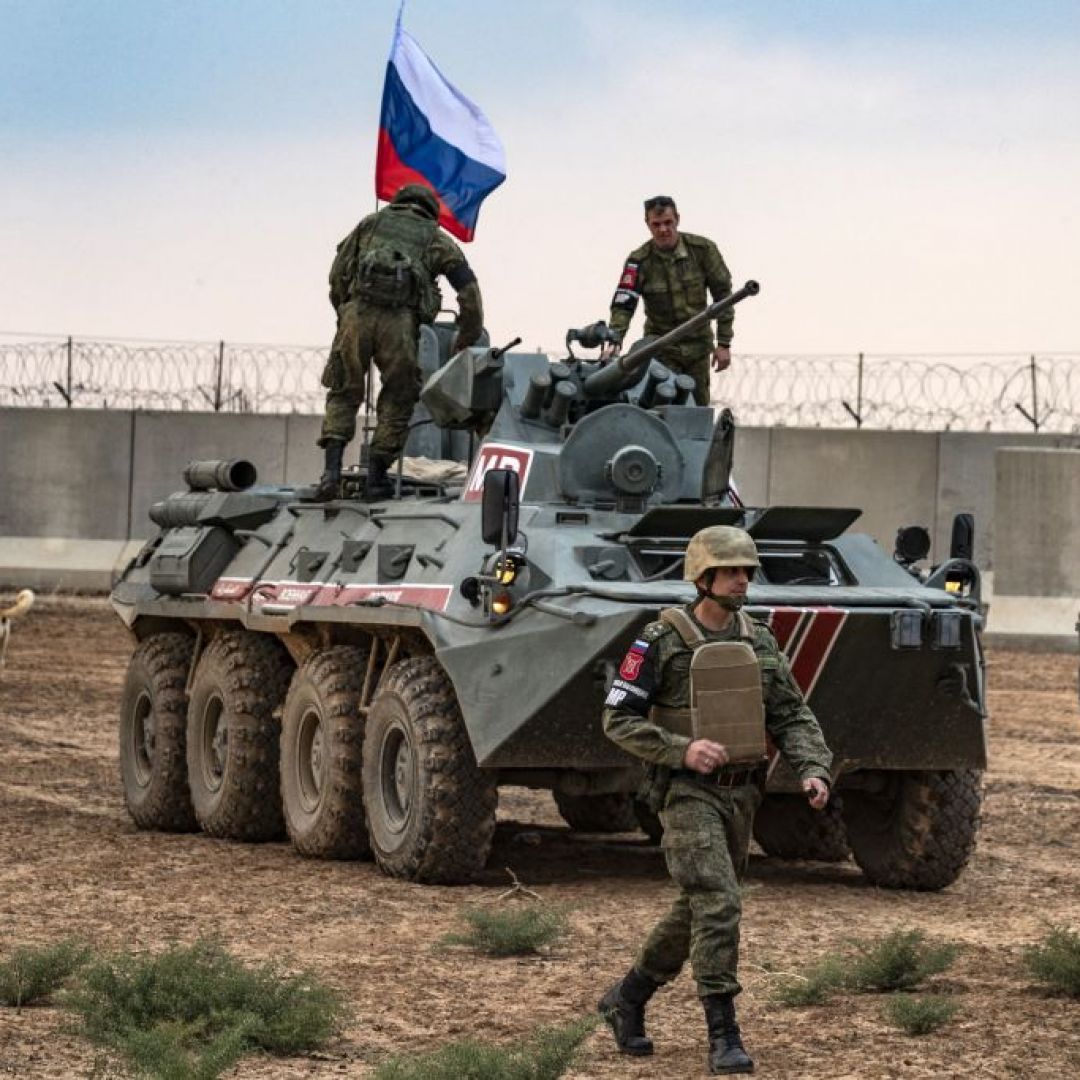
[[392, 269], [726, 703]]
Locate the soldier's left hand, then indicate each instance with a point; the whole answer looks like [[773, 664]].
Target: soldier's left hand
[[817, 792], [721, 358]]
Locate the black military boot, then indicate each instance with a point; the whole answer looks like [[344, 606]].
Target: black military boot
[[726, 1051], [329, 485], [623, 1007], [378, 484]]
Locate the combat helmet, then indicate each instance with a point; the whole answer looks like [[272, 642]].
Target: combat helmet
[[419, 196], [718, 545]]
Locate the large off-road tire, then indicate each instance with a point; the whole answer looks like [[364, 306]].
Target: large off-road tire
[[918, 831], [153, 722], [430, 809], [322, 738], [233, 731], [787, 827], [609, 813]]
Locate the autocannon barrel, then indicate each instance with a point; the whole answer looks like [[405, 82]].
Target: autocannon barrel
[[235, 475], [624, 371]]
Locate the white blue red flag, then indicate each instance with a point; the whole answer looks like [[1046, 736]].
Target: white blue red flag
[[429, 132]]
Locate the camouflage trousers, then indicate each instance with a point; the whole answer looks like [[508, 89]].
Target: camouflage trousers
[[706, 844], [692, 361], [388, 337]]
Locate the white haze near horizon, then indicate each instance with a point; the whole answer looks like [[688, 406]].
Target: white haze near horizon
[[911, 197]]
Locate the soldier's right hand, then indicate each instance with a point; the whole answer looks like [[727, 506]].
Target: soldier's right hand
[[704, 756], [609, 350]]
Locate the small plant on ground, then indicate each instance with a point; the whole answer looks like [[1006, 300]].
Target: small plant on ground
[[919, 1015], [33, 972], [510, 931], [545, 1055], [819, 983], [1056, 960], [899, 961], [191, 1012]]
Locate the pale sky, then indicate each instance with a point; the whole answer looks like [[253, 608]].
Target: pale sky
[[900, 175]]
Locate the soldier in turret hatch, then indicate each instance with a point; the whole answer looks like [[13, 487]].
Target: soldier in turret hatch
[[699, 674], [671, 273], [382, 285]]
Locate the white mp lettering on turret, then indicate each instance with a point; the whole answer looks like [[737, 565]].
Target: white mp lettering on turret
[[497, 456]]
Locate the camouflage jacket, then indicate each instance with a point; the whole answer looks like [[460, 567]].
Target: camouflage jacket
[[673, 285], [656, 671], [443, 258]]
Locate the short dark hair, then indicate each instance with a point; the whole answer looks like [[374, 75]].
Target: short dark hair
[[660, 202]]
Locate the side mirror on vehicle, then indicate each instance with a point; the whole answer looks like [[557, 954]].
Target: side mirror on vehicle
[[963, 537], [499, 515]]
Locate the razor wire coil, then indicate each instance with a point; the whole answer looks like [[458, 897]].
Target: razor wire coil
[[885, 391]]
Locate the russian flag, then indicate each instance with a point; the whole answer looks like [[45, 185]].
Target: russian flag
[[431, 133]]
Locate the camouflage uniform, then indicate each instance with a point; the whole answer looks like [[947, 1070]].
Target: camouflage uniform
[[706, 827], [673, 285], [388, 335]]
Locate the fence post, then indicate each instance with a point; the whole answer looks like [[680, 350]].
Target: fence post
[[70, 347], [220, 373], [1032, 417], [1034, 394], [856, 413]]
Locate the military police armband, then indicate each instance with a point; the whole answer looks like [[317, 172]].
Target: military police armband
[[634, 682], [626, 295], [460, 276]]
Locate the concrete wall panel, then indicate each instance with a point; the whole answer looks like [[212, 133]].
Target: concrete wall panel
[[966, 483], [65, 473], [303, 459], [165, 442], [891, 475], [753, 448], [1036, 530]]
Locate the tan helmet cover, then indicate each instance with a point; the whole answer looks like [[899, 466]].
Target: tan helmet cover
[[718, 545]]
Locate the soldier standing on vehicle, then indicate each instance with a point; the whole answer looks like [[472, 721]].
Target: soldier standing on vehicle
[[671, 272], [705, 799], [382, 284]]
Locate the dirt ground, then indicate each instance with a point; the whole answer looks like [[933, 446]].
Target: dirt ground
[[71, 863]]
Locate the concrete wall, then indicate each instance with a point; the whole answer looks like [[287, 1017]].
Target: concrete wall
[[71, 475], [1037, 534]]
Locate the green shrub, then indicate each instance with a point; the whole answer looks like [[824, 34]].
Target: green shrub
[[33, 972], [819, 983], [545, 1055], [1056, 960], [899, 961], [512, 931], [189, 1013], [919, 1015]]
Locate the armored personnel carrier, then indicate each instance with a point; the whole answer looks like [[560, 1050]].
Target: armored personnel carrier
[[363, 677]]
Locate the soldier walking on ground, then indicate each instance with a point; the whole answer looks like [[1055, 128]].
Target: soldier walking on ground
[[671, 273], [669, 695], [383, 286]]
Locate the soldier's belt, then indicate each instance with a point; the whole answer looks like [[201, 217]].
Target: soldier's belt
[[723, 778]]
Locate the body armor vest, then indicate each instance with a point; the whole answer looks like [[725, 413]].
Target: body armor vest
[[726, 702]]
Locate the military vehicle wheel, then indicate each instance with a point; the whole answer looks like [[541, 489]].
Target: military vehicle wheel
[[233, 733], [430, 809], [918, 831], [322, 736], [609, 813], [153, 715], [648, 821], [787, 827]]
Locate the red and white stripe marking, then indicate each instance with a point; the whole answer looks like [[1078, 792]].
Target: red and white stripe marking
[[808, 637], [316, 594]]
